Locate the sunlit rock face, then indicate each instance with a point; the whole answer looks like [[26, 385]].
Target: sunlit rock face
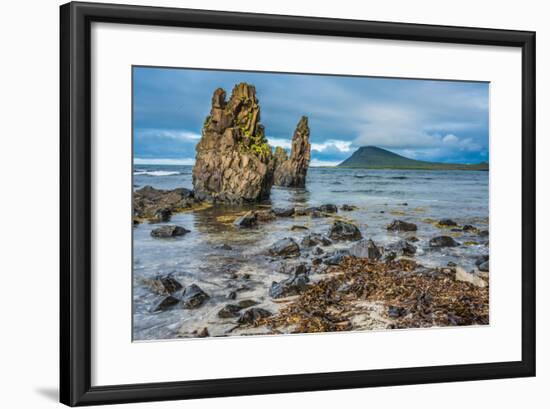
[[234, 163], [292, 172]]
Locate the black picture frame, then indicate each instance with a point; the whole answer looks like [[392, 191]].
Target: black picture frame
[[75, 203]]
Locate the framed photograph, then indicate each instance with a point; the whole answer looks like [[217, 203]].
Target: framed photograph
[[259, 204]]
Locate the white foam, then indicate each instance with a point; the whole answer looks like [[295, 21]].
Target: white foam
[[156, 173]]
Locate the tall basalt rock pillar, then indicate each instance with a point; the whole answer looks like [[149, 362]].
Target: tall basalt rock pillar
[[234, 161], [292, 172]]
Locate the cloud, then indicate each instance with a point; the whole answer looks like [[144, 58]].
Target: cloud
[[283, 143], [450, 138], [332, 144], [180, 135], [164, 161], [317, 163], [344, 113]]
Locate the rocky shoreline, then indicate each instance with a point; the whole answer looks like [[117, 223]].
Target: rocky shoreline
[[358, 286], [334, 280]]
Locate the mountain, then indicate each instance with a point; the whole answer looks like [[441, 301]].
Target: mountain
[[372, 157]]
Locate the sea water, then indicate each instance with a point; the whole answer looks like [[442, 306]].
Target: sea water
[[417, 196]]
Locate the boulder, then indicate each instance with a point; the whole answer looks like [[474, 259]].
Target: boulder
[[165, 303], [396, 312], [265, 215], [234, 163], [169, 230], [253, 314], [291, 286], [336, 258], [469, 227], [317, 251], [249, 219], [341, 230], [366, 249], [193, 297], [286, 247], [484, 266], [161, 215], [164, 285], [481, 259], [247, 303], [402, 248], [315, 239], [229, 311], [328, 208], [283, 212], [400, 225], [447, 222], [157, 205], [292, 171], [348, 208], [443, 241]]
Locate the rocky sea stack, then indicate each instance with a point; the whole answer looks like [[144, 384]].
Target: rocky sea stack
[[292, 172], [234, 163]]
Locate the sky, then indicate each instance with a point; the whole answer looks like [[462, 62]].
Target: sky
[[443, 121]]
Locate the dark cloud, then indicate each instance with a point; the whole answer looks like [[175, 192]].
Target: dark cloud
[[431, 120]]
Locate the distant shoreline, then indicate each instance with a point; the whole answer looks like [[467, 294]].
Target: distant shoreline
[[450, 166]]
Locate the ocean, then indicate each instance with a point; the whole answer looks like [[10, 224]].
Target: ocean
[[417, 196]]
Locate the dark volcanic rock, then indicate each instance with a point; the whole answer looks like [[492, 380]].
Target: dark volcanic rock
[[157, 205], [170, 230], [249, 219], [402, 248], [341, 230], [348, 208], [481, 259], [328, 208], [265, 215], [161, 215], [315, 239], [193, 297], [484, 233], [164, 285], [292, 172], [229, 311], [484, 266], [247, 303], [400, 225], [469, 227], [234, 162], [396, 312], [291, 286], [443, 241], [254, 314], [165, 303], [336, 258], [447, 222], [317, 251], [365, 249], [280, 212], [286, 247]]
